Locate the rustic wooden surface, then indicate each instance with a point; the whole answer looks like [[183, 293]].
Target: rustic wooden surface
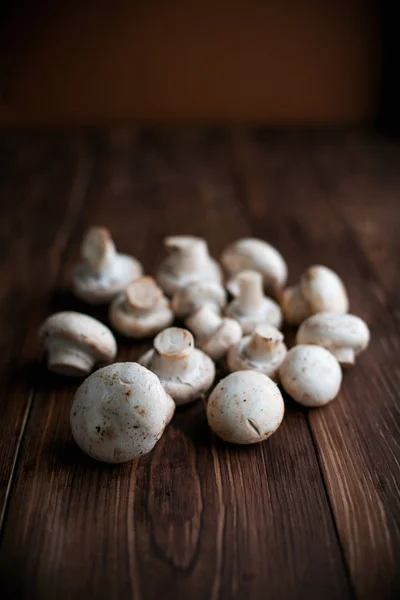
[[314, 512]]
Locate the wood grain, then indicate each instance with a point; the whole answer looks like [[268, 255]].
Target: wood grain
[[313, 512]]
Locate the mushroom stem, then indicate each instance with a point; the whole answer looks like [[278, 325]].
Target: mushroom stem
[[173, 354], [345, 356], [204, 322], [193, 251], [98, 249], [250, 291], [262, 342], [69, 360], [143, 294]]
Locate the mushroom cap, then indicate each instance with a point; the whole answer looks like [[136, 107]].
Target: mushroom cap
[[141, 310], [310, 375], [269, 363], [182, 384], [245, 407], [269, 312], [334, 332], [96, 289], [323, 290], [187, 262], [81, 330], [257, 255], [197, 294], [218, 343], [294, 306], [120, 412]]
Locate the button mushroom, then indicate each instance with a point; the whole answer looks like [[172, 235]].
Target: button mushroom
[[75, 342], [120, 412], [345, 336], [141, 310], [193, 296], [254, 255], [214, 334], [185, 372], [251, 307], [102, 273], [245, 407], [319, 290], [188, 261], [261, 351], [311, 375]]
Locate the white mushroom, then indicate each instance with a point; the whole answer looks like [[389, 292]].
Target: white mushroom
[[254, 255], [311, 375], [251, 307], [193, 296], [261, 351], [185, 372], [188, 261], [141, 310], [245, 407], [320, 290], [75, 343], [214, 334], [345, 336], [120, 412], [102, 273]]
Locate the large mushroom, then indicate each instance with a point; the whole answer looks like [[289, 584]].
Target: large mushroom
[[102, 272], [74, 343], [120, 412]]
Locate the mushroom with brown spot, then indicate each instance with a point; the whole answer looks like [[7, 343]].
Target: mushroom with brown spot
[[263, 351], [120, 412], [141, 310], [102, 272], [75, 342], [214, 334], [311, 375], [193, 296], [320, 290], [345, 336], [185, 371], [251, 307], [188, 261], [245, 407]]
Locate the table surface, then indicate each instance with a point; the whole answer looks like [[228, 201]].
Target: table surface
[[314, 511]]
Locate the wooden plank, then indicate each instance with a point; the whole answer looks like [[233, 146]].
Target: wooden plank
[[194, 518], [42, 188], [356, 435]]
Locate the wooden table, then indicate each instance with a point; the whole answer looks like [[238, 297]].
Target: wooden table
[[313, 512]]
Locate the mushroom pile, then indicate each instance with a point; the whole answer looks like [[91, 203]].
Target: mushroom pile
[[121, 410]]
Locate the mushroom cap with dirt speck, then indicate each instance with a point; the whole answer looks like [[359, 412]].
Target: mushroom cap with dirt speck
[[345, 336], [141, 310], [256, 255], [185, 372], [120, 412], [75, 342], [214, 334], [245, 407], [311, 375], [102, 272], [188, 261], [193, 296]]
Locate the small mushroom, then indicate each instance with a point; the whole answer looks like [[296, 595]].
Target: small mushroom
[[75, 343], [102, 272], [254, 255], [141, 310], [185, 372], [345, 336], [120, 412], [188, 261], [214, 334], [320, 290], [193, 296], [311, 375], [251, 307], [261, 351], [246, 407]]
